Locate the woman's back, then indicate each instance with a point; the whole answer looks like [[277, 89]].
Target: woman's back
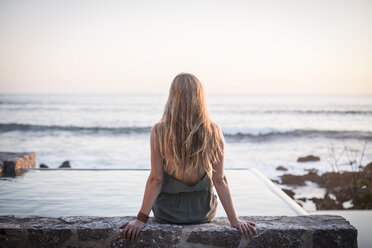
[[190, 179], [184, 203]]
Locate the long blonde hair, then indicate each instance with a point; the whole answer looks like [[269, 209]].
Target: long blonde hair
[[186, 137]]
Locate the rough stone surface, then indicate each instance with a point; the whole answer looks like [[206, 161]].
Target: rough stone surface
[[12, 163], [93, 231]]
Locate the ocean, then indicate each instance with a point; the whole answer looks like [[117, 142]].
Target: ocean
[[112, 130]]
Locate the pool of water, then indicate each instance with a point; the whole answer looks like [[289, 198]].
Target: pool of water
[[66, 192]]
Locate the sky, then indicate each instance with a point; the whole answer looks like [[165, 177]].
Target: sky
[[273, 47]]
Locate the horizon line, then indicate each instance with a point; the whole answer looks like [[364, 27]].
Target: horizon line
[[166, 93]]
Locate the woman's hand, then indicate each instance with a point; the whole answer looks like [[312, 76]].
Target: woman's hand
[[245, 228], [132, 229]]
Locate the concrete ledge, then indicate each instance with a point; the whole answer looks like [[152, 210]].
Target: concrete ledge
[[12, 163], [90, 231]]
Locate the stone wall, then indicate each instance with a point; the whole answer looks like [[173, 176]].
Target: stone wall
[[89, 231], [12, 163]]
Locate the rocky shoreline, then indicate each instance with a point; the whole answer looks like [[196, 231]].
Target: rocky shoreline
[[343, 190]]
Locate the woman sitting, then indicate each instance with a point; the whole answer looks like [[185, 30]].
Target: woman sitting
[[187, 160]]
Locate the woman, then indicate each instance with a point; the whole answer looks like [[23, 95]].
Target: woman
[[187, 159]]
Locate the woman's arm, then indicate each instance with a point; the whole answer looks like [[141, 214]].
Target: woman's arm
[[152, 190], [155, 180], [220, 183]]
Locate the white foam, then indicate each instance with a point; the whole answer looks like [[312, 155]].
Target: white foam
[[254, 130], [347, 204]]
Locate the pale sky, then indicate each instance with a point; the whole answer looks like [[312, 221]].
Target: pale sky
[[314, 46]]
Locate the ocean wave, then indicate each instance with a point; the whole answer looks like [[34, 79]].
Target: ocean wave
[[248, 131], [271, 133], [328, 112], [304, 112], [232, 134], [7, 127]]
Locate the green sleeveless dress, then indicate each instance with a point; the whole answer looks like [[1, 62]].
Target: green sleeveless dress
[[179, 203]]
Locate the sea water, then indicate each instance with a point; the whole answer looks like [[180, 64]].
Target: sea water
[[112, 131]]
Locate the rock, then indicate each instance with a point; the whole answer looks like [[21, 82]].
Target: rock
[[348, 186], [290, 179], [65, 164], [336, 179], [94, 231], [281, 168], [275, 181], [43, 166], [308, 158], [299, 203], [326, 203], [289, 192]]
